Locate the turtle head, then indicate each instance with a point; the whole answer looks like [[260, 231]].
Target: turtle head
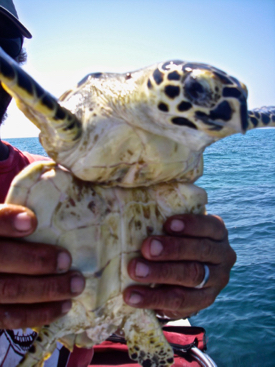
[[200, 97]]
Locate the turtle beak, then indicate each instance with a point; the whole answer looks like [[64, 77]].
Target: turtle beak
[[230, 113], [244, 115], [60, 129], [243, 107]]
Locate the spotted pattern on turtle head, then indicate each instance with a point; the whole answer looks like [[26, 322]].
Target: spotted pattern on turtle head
[[198, 96]]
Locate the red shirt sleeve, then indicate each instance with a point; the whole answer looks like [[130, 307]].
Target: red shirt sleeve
[[10, 167]]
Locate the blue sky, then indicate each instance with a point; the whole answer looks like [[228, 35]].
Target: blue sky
[[74, 38]]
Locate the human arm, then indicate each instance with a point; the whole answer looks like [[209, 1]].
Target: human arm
[[175, 263], [35, 284]]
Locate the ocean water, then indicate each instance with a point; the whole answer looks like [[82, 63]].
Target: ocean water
[[239, 177]]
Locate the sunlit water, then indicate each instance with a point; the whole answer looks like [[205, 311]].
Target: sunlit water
[[239, 177]]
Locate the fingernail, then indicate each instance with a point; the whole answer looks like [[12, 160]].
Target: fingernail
[[63, 262], [66, 306], [156, 248], [135, 298], [176, 225], [77, 284], [142, 270], [22, 222]]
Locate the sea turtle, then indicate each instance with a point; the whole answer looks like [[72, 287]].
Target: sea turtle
[[126, 150]]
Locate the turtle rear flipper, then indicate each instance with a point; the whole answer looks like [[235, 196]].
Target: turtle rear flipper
[[42, 349], [45, 343], [145, 340]]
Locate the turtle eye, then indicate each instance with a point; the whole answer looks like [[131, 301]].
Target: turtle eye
[[194, 90], [197, 88]]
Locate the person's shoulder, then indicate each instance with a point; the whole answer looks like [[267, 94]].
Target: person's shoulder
[[35, 157], [20, 159]]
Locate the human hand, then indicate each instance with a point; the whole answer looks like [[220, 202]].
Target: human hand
[[175, 263], [36, 285]]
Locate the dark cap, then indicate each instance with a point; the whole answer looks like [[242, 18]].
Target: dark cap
[[7, 8]]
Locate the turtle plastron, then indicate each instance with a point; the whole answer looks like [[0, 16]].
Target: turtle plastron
[[103, 230]]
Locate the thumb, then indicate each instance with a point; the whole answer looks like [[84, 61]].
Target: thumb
[[16, 221]]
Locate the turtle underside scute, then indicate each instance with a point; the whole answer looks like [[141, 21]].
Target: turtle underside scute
[[103, 229]]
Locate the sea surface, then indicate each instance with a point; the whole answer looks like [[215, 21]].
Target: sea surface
[[239, 177]]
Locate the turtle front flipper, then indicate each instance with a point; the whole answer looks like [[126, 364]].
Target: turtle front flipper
[[261, 117], [59, 127], [145, 340]]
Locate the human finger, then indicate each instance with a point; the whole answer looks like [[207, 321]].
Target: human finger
[[32, 258], [164, 248], [16, 221], [194, 225], [174, 299], [27, 289], [185, 273], [18, 316]]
